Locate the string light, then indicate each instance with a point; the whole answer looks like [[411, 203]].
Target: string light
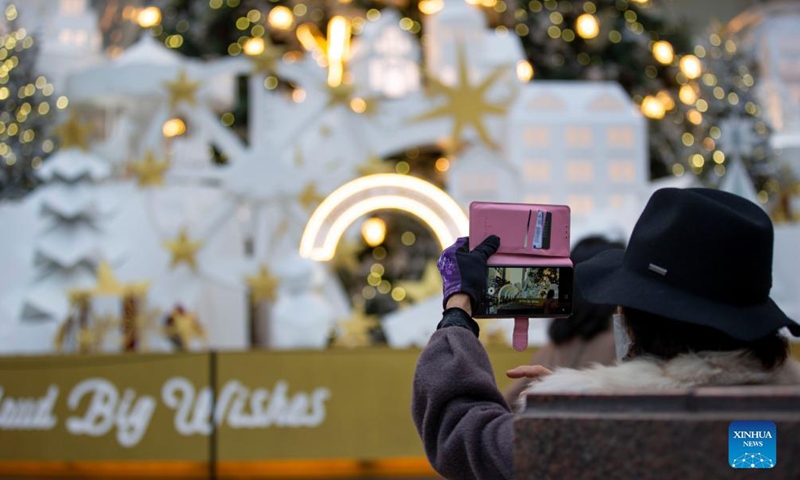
[[691, 67], [694, 117], [298, 95], [281, 18], [373, 230], [310, 37], [429, 7], [339, 30], [666, 100], [587, 26], [524, 71], [663, 52], [149, 17], [254, 46], [687, 95], [358, 105], [173, 127], [653, 108]]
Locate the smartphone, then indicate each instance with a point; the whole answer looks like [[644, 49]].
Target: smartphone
[[526, 291]]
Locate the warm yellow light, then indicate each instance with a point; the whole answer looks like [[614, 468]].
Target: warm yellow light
[[372, 193], [694, 117], [663, 52], [149, 17], [691, 67], [640, 1], [653, 108], [280, 17], [442, 164], [310, 38], [173, 127], [666, 99], [358, 105], [254, 46], [687, 95], [487, 3], [587, 26], [298, 95], [373, 230], [429, 7], [338, 48], [524, 71]]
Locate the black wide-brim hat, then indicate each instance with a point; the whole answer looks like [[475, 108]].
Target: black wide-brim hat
[[696, 255]]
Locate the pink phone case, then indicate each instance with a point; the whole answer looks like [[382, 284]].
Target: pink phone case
[[515, 224]]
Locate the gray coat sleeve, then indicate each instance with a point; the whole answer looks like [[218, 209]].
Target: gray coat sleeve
[[463, 420]]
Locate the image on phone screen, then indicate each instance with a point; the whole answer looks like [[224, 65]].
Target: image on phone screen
[[515, 291]]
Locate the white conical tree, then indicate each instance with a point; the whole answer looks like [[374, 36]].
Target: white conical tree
[[72, 242]]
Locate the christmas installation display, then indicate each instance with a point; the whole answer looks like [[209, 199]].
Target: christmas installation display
[[289, 181]]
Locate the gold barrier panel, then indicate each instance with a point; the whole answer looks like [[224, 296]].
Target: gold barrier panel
[[301, 414], [97, 408], [328, 414]]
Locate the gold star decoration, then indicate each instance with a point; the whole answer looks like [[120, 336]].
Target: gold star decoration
[[109, 286], [185, 326], [107, 283], [183, 249], [309, 197], [262, 286], [182, 90], [73, 133], [429, 285], [354, 331], [149, 171], [375, 165], [466, 104], [267, 61]]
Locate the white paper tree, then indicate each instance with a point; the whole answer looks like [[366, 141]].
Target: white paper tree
[[73, 240]]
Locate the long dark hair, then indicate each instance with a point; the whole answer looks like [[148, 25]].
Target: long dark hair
[[666, 338], [587, 320]]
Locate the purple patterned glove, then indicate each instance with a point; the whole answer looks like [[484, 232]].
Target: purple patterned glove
[[464, 271]]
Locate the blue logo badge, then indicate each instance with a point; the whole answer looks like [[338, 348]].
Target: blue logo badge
[[752, 444]]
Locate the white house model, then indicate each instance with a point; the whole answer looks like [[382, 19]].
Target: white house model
[[387, 57], [578, 143]]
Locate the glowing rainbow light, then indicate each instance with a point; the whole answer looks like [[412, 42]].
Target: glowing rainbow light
[[368, 194]]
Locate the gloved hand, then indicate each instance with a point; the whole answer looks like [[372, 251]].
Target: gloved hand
[[464, 271]]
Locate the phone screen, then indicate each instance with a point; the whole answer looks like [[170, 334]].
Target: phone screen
[[514, 291]]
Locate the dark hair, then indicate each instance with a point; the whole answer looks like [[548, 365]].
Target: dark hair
[[666, 338], [587, 320]]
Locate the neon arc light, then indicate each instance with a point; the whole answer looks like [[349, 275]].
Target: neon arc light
[[368, 194]]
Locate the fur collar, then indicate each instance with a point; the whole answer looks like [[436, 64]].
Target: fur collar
[[687, 370]]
